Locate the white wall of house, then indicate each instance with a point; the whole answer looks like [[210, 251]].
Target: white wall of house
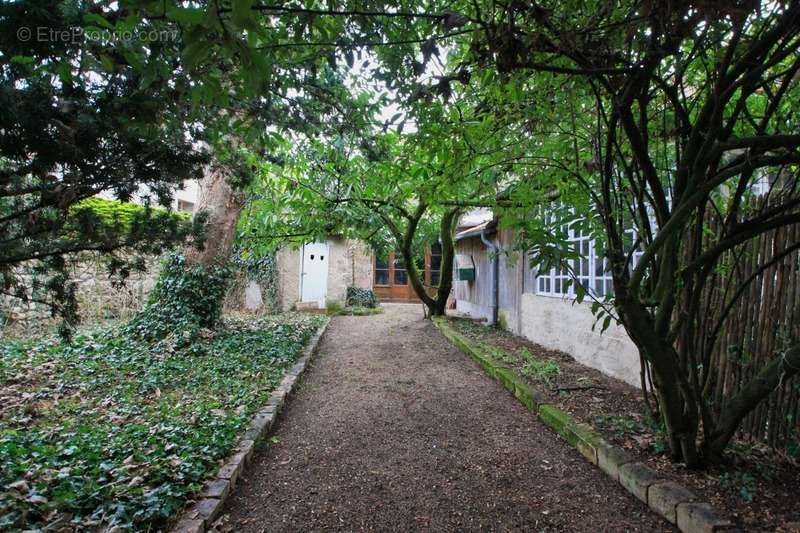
[[554, 321], [473, 298], [565, 325], [187, 197], [465, 307]]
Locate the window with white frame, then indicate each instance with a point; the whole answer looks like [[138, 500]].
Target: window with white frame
[[591, 269]]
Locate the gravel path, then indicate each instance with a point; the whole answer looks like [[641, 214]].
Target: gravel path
[[393, 429]]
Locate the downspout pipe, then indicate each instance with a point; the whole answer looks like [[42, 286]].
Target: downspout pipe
[[494, 251]]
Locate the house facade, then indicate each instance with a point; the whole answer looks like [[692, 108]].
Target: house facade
[[541, 306], [390, 276], [317, 273]]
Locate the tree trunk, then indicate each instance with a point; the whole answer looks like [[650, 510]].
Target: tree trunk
[[446, 268], [678, 409], [436, 306], [223, 205], [191, 287]]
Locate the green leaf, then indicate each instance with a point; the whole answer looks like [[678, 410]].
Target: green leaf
[[241, 13], [99, 20], [23, 60]]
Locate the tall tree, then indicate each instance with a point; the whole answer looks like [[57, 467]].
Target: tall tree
[[398, 191], [79, 119], [670, 115]]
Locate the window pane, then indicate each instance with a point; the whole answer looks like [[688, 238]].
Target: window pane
[[435, 277], [381, 262], [599, 266], [436, 262], [599, 287], [400, 277], [381, 277]]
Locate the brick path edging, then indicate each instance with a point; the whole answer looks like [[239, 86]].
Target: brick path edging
[[199, 517], [675, 503]]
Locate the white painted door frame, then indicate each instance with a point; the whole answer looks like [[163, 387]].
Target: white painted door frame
[[314, 261]]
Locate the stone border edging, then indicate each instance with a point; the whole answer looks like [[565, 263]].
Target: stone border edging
[[672, 501], [198, 517]]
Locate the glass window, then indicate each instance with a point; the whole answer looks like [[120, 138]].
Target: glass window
[[590, 269], [185, 206], [400, 276], [381, 270], [436, 263]]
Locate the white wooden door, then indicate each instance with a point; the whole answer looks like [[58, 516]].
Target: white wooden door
[[314, 273]]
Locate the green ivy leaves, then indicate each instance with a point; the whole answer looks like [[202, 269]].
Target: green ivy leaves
[[113, 430]]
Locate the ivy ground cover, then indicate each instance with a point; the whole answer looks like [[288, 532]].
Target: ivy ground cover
[[111, 431]]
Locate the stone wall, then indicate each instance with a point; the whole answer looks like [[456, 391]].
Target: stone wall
[[99, 298], [289, 276], [350, 265]]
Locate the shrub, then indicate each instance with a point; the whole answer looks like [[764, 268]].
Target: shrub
[[115, 214], [358, 297], [184, 300], [335, 307]]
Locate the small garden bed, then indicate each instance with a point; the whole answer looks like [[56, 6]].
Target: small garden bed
[[757, 489], [114, 431]]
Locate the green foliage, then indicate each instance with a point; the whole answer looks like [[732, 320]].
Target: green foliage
[[363, 311], [184, 300], [656, 426], [115, 431], [498, 354], [114, 215], [540, 369], [263, 269], [360, 297], [500, 105], [742, 482], [335, 307], [81, 116]]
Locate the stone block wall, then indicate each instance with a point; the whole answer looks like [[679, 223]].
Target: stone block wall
[[99, 298], [350, 265], [289, 276]]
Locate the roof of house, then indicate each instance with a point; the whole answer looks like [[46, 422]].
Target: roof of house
[[489, 226], [474, 217]]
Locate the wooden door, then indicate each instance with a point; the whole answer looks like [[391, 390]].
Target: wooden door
[[390, 279]]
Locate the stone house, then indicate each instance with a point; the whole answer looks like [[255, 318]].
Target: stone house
[[539, 306], [318, 273]]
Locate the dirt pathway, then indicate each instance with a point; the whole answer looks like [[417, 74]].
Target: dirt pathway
[[392, 429]]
